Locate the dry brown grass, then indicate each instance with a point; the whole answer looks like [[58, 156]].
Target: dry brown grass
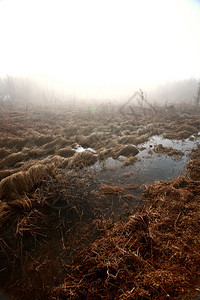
[[81, 160], [167, 150], [4, 152], [12, 159], [129, 161], [107, 189], [155, 255], [194, 165], [66, 152], [22, 182], [36, 228], [128, 150]]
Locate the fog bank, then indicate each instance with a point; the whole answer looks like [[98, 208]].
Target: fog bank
[[31, 91]]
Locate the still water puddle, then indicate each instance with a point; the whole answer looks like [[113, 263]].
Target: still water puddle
[[149, 167]]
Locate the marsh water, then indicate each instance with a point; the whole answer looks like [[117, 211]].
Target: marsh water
[[149, 166]]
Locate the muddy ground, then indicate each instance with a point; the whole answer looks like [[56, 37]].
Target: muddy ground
[[76, 222]]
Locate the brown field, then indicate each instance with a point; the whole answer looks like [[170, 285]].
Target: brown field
[[79, 223]]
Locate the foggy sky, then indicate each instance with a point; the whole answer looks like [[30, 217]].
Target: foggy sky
[[101, 48]]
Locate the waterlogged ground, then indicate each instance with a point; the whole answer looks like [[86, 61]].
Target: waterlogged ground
[[149, 166], [67, 175]]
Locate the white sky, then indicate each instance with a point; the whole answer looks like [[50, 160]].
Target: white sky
[[100, 47]]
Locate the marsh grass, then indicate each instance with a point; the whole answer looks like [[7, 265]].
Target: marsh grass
[[59, 237]]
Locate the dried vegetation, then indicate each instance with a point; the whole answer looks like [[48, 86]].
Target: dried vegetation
[[168, 150], [22, 182], [153, 255], [58, 235]]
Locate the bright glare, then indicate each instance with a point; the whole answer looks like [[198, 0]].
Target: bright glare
[[102, 47]]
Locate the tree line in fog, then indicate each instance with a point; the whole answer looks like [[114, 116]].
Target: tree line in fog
[[25, 91], [177, 91]]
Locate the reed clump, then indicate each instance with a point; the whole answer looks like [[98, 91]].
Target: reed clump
[[167, 150], [193, 170], [66, 152], [22, 182], [82, 159], [128, 150]]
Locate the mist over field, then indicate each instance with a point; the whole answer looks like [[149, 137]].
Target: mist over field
[[19, 90], [99, 149], [99, 51]]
